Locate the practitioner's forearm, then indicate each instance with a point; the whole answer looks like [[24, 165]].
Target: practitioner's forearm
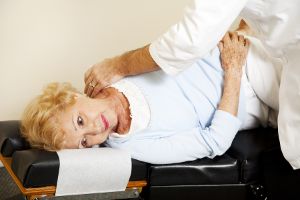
[[231, 91], [136, 62]]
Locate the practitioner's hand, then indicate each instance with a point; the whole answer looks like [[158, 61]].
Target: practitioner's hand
[[101, 75], [234, 49], [111, 70]]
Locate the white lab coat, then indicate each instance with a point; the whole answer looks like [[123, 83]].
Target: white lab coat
[[276, 24]]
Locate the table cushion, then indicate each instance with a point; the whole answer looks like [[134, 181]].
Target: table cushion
[[244, 156], [38, 168], [248, 147], [222, 169]]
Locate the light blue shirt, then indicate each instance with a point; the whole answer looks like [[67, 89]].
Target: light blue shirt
[[185, 124]]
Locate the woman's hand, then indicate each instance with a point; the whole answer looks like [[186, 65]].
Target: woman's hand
[[234, 49]]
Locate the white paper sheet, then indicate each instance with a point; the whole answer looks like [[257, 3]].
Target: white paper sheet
[[92, 170]]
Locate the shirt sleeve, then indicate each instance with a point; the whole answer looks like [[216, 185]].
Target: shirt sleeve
[[188, 145], [203, 25]]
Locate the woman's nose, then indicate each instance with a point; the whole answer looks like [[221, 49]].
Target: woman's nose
[[94, 127]]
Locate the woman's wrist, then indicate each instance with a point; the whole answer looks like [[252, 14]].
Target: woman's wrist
[[233, 72], [231, 91]]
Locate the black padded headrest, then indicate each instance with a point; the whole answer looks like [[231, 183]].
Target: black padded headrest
[[35, 167], [38, 168], [10, 138]]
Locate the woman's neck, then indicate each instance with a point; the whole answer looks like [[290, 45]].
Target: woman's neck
[[121, 106]]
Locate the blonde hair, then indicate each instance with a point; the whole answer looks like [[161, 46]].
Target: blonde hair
[[39, 124]]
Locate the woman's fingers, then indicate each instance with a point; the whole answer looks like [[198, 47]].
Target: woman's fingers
[[241, 38], [247, 43], [234, 36], [233, 50], [221, 46], [226, 39]]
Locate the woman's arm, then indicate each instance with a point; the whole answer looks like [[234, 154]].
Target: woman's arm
[[202, 142], [234, 50]]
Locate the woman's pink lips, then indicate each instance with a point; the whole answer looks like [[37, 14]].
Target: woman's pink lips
[[105, 122]]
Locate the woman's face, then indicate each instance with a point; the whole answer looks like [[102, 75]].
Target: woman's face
[[88, 122]]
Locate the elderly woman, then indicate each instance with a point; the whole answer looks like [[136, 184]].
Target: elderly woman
[[157, 118]]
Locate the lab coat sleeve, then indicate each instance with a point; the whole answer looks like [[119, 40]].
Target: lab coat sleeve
[[289, 110], [203, 25], [189, 145]]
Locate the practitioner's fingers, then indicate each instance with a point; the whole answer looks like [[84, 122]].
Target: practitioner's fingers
[[88, 84], [91, 88], [87, 75], [96, 90]]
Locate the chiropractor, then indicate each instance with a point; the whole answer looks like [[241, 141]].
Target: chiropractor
[[274, 22]]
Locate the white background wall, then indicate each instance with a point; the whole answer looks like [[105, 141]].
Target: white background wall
[[42, 41]]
